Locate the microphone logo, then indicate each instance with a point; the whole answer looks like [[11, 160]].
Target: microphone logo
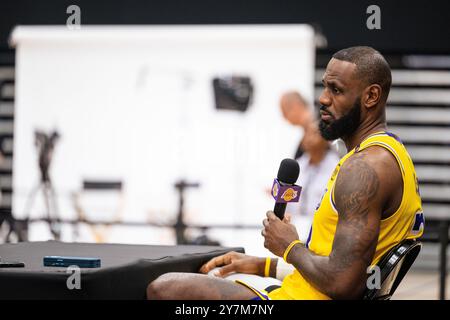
[[285, 193], [289, 195], [275, 190]]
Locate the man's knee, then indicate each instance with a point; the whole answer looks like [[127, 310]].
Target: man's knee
[[162, 287]]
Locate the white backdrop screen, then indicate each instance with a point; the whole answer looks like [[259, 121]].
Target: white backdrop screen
[[137, 104]]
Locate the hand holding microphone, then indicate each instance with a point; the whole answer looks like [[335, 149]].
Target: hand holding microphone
[[278, 232], [284, 189]]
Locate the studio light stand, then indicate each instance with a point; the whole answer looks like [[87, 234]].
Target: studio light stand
[[45, 145]]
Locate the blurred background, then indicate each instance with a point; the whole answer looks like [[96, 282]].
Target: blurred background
[[165, 122]]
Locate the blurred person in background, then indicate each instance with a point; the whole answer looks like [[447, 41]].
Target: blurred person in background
[[297, 112]]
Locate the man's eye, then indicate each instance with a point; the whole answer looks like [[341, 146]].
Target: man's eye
[[336, 90]]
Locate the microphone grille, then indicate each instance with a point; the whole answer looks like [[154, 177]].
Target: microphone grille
[[288, 171]]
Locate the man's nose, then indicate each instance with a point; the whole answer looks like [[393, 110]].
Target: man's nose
[[324, 98]]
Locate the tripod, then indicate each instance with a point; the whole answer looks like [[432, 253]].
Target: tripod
[[180, 226], [51, 210], [45, 144]]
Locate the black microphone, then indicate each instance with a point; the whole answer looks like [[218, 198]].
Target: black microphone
[[285, 182]]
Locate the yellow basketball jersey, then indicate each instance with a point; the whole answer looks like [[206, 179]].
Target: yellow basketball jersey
[[406, 223]]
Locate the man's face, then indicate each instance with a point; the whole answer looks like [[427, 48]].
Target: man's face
[[340, 111]]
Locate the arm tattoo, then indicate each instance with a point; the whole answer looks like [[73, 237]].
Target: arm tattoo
[[355, 189]]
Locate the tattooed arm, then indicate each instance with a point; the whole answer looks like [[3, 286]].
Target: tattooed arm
[[363, 188]]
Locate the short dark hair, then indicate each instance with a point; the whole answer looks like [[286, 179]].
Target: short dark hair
[[371, 67]]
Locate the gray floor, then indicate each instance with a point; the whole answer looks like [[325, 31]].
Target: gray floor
[[420, 285]]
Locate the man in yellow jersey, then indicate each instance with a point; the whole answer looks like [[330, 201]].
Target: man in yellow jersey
[[370, 204]]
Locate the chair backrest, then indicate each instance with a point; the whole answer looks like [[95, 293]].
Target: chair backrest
[[99, 203], [393, 267], [106, 185]]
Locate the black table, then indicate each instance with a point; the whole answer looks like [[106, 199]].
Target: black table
[[125, 270]]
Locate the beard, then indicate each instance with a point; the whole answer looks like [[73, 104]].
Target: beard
[[342, 127]]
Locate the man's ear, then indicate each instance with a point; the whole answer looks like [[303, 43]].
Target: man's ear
[[372, 95]]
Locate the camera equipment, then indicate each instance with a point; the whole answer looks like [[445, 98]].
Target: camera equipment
[[233, 92], [45, 144]]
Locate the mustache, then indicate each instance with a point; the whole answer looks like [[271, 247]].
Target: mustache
[[324, 109]]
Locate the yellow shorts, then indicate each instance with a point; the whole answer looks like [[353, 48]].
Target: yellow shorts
[[260, 294]]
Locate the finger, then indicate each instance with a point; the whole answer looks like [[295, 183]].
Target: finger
[[265, 222], [287, 218], [271, 215], [208, 266], [264, 232], [226, 270], [215, 262]]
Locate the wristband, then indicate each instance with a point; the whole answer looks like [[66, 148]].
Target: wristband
[[289, 248], [267, 267]]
